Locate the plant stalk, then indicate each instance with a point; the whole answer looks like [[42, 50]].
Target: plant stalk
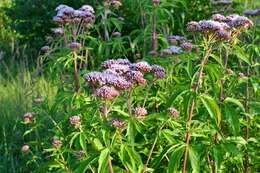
[[76, 75], [195, 89]]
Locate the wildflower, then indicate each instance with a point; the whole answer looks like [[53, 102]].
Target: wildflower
[[187, 46], [240, 22], [38, 100], [140, 112], [74, 45], [142, 66], [116, 4], [117, 123], [175, 50], [119, 68], [193, 27], [211, 25], [116, 34], [241, 75], [75, 120], [252, 12], [158, 71], [58, 31], [221, 2], [28, 117], [166, 52], [104, 110], [223, 35], [56, 142], [153, 53], [58, 20], [218, 17], [136, 76], [108, 63], [25, 148], [45, 49], [173, 112], [107, 92], [94, 78], [156, 2], [87, 8]]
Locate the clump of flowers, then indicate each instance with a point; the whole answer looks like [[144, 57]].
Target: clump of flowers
[[56, 142], [75, 120], [25, 148], [117, 123], [221, 2], [221, 27], [156, 2], [140, 112], [179, 44], [173, 112], [28, 117], [121, 74], [252, 12]]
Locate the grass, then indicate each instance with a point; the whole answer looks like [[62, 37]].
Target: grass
[[16, 97]]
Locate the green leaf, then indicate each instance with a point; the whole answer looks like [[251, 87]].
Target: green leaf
[[194, 160], [82, 141], [84, 164], [212, 108], [235, 101], [103, 160], [175, 159]]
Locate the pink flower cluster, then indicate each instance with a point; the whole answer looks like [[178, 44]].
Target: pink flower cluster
[[140, 112], [28, 117], [179, 44], [221, 26], [118, 123], [67, 15], [75, 120], [120, 74]]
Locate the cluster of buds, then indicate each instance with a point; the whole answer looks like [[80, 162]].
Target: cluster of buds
[[25, 149], [113, 3], [38, 100], [221, 2], [79, 154], [179, 44], [140, 112], [173, 112], [252, 12], [121, 74], [28, 117], [56, 142], [117, 123], [156, 2], [221, 27], [67, 15], [75, 120]]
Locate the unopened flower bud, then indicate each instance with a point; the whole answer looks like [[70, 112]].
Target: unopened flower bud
[[25, 148], [140, 112], [173, 112], [28, 117]]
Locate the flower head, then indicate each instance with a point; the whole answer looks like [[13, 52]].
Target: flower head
[[136, 76], [252, 12], [75, 45], [25, 148], [140, 112], [141, 66], [193, 27], [187, 46], [118, 123], [173, 112], [75, 120], [28, 117], [107, 92], [56, 142], [158, 71]]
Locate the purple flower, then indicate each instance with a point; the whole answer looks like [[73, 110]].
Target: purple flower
[[193, 27], [252, 12], [211, 25], [95, 78], [158, 71], [156, 2], [45, 49], [141, 66], [25, 148], [219, 18], [107, 92], [223, 35], [117, 123], [140, 112], [166, 52], [116, 34], [173, 112], [240, 22], [75, 120], [115, 3], [28, 117], [56, 142], [87, 8], [187, 46], [108, 63], [136, 76], [175, 50], [58, 31], [221, 2], [75, 45]]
